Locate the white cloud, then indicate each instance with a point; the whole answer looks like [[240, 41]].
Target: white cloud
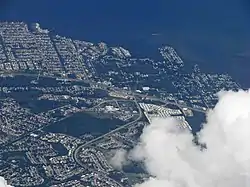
[[154, 182], [3, 183], [119, 159], [173, 160]]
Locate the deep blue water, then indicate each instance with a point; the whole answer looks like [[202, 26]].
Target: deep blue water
[[60, 148], [214, 34], [82, 123], [196, 121]]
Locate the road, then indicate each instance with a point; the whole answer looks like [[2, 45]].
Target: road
[[75, 152], [36, 129], [175, 103], [106, 87], [153, 98]]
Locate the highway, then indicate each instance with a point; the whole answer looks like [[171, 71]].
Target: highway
[[75, 152], [109, 88], [106, 87], [36, 129], [175, 103]]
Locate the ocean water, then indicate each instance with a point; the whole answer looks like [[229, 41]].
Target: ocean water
[[214, 34]]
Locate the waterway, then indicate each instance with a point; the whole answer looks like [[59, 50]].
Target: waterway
[[82, 123], [214, 34]]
